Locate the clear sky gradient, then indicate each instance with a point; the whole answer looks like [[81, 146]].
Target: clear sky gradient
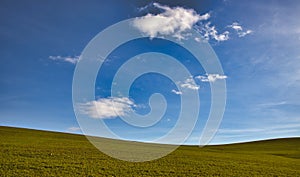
[[257, 43]]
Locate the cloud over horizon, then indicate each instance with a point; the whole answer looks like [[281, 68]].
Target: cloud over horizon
[[74, 129], [271, 129]]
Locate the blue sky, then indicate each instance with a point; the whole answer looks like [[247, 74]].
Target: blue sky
[[256, 42]]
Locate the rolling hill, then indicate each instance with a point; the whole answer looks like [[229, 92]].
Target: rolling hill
[[26, 152]]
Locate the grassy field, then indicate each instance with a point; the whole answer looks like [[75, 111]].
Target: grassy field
[[26, 152]]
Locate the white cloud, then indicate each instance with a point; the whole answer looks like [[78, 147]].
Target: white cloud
[[173, 21], [211, 77], [236, 26], [176, 21], [239, 29], [190, 84], [209, 32], [244, 33], [220, 37], [106, 108], [197, 39], [176, 92], [68, 59], [73, 129]]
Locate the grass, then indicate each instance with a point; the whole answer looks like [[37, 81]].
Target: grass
[[25, 152]]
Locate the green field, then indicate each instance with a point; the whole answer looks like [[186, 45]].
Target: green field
[[27, 152]]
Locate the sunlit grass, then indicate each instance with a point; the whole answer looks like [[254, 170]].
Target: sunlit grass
[[26, 152]]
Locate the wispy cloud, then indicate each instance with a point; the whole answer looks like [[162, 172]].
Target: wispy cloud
[[236, 26], [275, 129], [239, 29], [106, 108], [73, 129], [211, 77], [146, 7], [173, 21], [209, 31], [190, 84], [68, 59], [244, 33], [239, 131], [272, 104], [176, 92]]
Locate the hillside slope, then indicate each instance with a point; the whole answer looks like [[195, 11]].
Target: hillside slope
[[25, 152]]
